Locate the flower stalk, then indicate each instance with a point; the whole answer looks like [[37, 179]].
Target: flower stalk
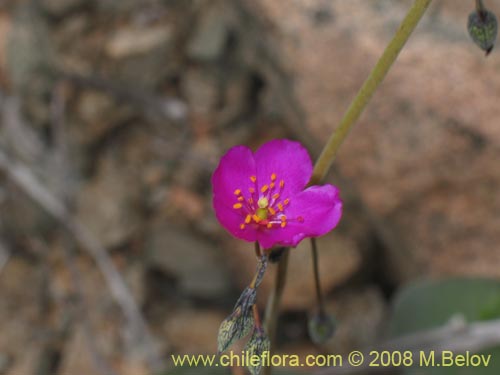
[[317, 284], [331, 148]]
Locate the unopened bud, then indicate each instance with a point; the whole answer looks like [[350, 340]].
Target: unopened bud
[[483, 28], [321, 327], [239, 323], [256, 347]]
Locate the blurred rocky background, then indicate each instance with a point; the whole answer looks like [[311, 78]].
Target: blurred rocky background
[[114, 113]]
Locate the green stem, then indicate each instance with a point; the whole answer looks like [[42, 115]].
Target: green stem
[[274, 302], [317, 283], [330, 150]]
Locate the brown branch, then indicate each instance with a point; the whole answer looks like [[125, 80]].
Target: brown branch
[[22, 176]]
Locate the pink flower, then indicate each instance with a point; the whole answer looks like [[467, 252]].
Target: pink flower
[[260, 196]]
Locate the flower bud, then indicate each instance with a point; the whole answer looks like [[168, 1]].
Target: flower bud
[[256, 347], [239, 323], [482, 27], [321, 327]]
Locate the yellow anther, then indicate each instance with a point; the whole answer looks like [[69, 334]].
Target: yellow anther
[[275, 196], [253, 178], [283, 224], [271, 185], [250, 200], [237, 206], [248, 219], [280, 206], [242, 226], [251, 190], [241, 199], [264, 188], [273, 177], [282, 184], [269, 225], [272, 211], [283, 218], [286, 201], [237, 192], [256, 218]]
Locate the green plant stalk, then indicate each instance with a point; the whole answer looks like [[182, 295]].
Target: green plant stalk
[[317, 284], [330, 150]]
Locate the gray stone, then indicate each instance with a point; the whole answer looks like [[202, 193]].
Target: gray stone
[[208, 41], [198, 265]]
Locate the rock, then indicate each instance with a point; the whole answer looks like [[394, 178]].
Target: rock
[[96, 115], [360, 316], [29, 56], [193, 331], [137, 40], [201, 90], [59, 8], [198, 265], [77, 359], [108, 203], [27, 362], [422, 154], [19, 312], [339, 259], [211, 34]]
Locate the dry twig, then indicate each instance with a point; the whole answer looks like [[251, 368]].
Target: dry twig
[[22, 176]]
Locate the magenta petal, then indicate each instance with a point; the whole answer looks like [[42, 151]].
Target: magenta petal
[[233, 172], [320, 208], [288, 160]]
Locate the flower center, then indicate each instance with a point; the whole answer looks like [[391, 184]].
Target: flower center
[[263, 208]]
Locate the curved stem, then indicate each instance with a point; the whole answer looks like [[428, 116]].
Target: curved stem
[[330, 150]]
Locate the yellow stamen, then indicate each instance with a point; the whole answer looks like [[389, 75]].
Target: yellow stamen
[[253, 178], [283, 218], [283, 224], [237, 205], [272, 211], [248, 219], [271, 185], [242, 226], [241, 199], [282, 184], [280, 206], [269, 225], [237, 192], [286, 201], [256, 218], [275, 196], [273, 177], [251, 190], [250, 200], [264, 188]]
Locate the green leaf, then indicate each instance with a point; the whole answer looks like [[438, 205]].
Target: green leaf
[[428, 304]]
